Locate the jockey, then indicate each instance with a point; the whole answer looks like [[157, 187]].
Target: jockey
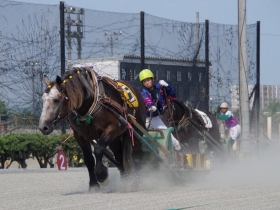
[[231, 123], [154, 100]]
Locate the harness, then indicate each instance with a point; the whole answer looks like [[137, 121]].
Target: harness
[[184, 121], [100, 98], [93, 108]]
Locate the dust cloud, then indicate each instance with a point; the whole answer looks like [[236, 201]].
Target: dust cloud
[[149, 178], [261, 169], [256, 170]]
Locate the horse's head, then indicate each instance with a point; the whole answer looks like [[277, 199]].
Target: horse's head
[[77, 85], [175, 111], [168, 113], [55, 106]]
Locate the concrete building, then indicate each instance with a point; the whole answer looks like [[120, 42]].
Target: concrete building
[[189, 79], [267, 94]]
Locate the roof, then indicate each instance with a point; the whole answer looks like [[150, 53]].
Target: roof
[[134, 57]]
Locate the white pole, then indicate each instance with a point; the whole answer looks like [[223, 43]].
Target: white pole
[[243, 86], [279, 135], [269, 127]]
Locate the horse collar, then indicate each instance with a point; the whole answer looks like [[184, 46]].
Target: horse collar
[[93, 108]]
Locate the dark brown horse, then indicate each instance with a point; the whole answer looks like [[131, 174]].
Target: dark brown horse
[[92, 104], [189, 126]]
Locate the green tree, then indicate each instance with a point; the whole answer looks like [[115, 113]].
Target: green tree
[[3, 108], [19, 147], [44, 148], [15, 147]]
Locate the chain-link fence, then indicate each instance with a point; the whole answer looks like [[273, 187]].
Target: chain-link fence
[[30, 48]]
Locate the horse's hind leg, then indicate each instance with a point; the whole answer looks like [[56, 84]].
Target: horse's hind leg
[[89, 161], [116, 148]]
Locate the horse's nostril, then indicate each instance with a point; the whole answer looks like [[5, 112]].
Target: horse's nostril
[[46, 128]]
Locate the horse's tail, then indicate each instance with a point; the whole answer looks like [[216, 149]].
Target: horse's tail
[[128, 162]]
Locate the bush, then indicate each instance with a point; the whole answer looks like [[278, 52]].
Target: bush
[[19, 147]]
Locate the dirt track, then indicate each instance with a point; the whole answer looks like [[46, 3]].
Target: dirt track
[[254, 185]]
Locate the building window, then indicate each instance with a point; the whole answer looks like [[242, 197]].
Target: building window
[[179, 77], [123, 74], [131, 74], [168, 75], [189, 76], [199, 74]]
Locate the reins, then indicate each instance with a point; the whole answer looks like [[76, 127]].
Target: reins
[[68, 137], [151, 113], [171, 112]]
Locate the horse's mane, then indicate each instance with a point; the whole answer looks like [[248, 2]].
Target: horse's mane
[[186, 109], [77, 84]]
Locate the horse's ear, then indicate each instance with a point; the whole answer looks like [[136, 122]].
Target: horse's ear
[[46, 80], [58, 80]]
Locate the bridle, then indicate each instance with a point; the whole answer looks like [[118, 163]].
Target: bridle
[[59, 119], [184, 121]]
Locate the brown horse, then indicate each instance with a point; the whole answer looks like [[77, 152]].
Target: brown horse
[[189, 127], [92, 104]]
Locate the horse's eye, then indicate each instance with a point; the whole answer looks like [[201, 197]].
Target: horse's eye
[[56, 101]]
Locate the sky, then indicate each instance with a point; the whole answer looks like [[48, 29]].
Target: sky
[[216, 11]]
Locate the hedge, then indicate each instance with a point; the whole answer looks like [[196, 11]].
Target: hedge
[[19, 147]]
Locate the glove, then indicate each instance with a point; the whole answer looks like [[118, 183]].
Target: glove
[[163, 83], [152, 108]]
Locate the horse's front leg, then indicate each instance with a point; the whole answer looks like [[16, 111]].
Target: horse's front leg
[[89, 160], [101, 171]]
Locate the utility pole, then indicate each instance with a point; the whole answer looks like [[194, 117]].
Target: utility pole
[[243, 85], [197, 34], [78, 31], [32, 70], [112, 38], [142, 36], [62, 38]]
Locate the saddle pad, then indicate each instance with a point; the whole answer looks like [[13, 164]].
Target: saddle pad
[[206, 119], [130, 98]]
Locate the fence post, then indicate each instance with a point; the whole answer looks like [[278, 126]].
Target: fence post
[[279, 134], [142, 31], [269, 127]]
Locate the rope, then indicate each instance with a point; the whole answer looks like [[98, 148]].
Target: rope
[[129, 127], [69, 136]]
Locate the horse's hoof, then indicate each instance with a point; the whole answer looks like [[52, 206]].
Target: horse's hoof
[[106, 182], [94, 189]]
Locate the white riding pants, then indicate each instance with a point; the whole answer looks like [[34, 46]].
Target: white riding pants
[[234, 133], [156, 123]]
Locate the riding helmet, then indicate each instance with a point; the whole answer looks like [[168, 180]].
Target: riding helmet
[[224, 105], [145, 73]]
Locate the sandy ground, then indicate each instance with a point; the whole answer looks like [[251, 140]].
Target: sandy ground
[[250, 184]]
